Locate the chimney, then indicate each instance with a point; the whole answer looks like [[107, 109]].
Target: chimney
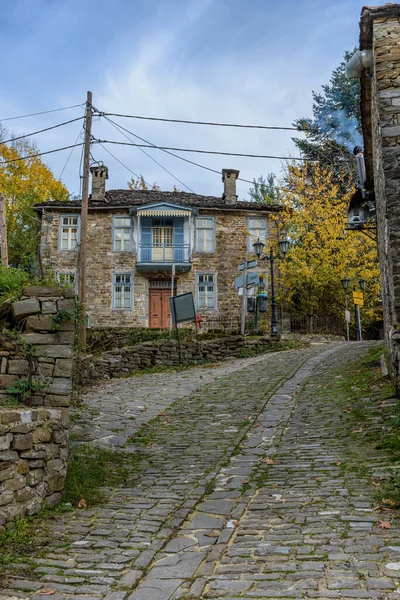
[[229, 177], [99, 175]]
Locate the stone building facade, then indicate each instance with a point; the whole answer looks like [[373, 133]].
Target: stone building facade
[[136, 236], [380, 110]]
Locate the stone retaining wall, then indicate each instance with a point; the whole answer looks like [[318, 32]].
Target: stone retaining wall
[[120, 363], [36, 348], [33, 460]]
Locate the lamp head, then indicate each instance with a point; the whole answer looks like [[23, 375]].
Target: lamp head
[[258, 247], [345, 283], [363, 284]]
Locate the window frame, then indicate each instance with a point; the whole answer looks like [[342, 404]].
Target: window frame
[[210, 218], [78, 234], [60, 273], [114, 283], [206, 308], [114, 228], [250, 240]]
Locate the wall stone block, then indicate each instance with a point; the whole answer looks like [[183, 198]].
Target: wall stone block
[[34, 440], [24, 308]]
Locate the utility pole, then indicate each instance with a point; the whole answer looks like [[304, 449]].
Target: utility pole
[[84, 221], [3, 232]]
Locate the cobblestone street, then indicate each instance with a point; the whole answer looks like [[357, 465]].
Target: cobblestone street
[[246, 491]]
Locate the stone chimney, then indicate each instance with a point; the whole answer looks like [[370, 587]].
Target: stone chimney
[[99, 175], [229, 177]]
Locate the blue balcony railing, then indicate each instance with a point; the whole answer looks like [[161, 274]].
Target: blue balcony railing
[[164, 254]]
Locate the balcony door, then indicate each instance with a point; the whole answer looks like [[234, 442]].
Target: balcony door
[[162, 240]]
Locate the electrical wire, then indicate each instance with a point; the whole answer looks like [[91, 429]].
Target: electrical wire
[[70, 154], [215, 152], [20, 137], [44, 112], [6, 162], [105, 114], [121, 163], [118, 127]]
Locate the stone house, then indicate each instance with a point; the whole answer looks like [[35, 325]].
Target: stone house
[[377, 64], [136, 236]]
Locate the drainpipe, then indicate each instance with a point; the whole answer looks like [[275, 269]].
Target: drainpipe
[[362, 59]]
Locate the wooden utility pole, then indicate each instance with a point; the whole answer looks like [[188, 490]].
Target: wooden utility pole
[[84, 221], [3, 232]]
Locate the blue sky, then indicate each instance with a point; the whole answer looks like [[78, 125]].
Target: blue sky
[[253, 61]]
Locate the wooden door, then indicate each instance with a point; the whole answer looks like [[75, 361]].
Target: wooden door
[[159, 311]]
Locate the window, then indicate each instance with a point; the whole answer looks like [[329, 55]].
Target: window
[[122, 291], [206, 291], [257, 229], [122, 234], [66, 279], [205, 234], [69, 232]]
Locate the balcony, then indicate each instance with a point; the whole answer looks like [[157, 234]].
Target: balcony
[[161, 257]]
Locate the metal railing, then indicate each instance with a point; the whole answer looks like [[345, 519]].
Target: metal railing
[[318, 325], [163, 253]]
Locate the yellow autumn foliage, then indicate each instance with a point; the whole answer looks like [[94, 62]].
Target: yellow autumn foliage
[[24, 183], [322, 251]]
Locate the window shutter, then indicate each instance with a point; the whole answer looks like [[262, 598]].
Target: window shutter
[[178, 240], [146, 239]]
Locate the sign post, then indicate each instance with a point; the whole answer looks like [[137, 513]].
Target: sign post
[[182, 311]]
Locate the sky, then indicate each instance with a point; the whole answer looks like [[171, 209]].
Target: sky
[[249, 62]]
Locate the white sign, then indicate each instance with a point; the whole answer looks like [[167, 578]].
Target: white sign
[[347, 316]]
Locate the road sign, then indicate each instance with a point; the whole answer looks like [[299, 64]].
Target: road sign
[[252, 279], [358, 298], [250, 265], [347, 316]]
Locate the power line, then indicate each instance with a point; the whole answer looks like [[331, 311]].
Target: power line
[[70, 154], [6, 162], [119, 127], [215, 152], [44, 112], [191, 162], [20, 137], [104, 114], [121, 163]]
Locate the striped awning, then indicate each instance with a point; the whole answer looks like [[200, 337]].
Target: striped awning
[[163, 212]]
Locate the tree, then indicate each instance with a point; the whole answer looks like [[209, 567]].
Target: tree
[[140, 184], [265, 191], [334, 129], [322, 251], [24, 183]]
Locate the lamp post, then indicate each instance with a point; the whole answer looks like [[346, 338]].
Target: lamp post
[[363, 284], [345, 283], [258, 249]]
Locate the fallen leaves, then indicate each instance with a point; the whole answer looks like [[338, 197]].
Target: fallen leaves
[[385, 524], [47, 592], [269, 461], [81, 504]]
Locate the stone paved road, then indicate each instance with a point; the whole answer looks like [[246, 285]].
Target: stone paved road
[[241, 497]]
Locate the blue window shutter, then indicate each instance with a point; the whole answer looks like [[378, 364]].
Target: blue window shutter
[[179, 251], [146, 238]]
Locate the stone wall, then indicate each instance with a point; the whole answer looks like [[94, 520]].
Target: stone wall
[[36, 354], [120, 363], [102, 263], [380, 107], [33, 460]]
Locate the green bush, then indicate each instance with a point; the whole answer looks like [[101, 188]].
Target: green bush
[[12, 282]]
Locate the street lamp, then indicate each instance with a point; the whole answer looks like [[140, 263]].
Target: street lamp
[[258, 249], [345, 283], [363, 284]]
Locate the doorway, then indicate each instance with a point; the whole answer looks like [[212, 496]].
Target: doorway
[[159, 305]]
